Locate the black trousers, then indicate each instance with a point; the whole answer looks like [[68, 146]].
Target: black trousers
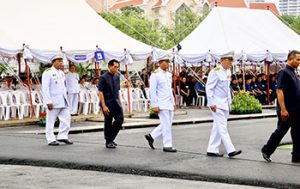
[[112, 128], [293, 122]]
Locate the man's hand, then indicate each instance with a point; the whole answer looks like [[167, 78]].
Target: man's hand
[[156, 110], [50, 106], [175, 108], [284, 115], [213, 108], [105, 110]]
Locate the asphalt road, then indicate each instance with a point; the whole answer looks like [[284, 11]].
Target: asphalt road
[[133, 156]]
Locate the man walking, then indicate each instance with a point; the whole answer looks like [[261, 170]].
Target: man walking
[[55, 102], [162, 102], [109, 86], [288, 109], [218, 100], [72, 85]]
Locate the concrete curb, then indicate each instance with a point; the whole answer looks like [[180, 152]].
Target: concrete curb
[[146, 172]]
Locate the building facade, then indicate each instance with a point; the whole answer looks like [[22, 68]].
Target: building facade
[[290, 7]]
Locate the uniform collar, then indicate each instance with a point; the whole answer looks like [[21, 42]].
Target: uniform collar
[[54, 68], [290, 68], [222, 68]]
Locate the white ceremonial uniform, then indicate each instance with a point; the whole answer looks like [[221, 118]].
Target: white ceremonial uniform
[[161, 96], [73, 88], [54, 92], [218, 93]]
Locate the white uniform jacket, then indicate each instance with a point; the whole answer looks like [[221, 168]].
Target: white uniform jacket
[[72, 83], [217, 89], [161, 94], [54, 89]]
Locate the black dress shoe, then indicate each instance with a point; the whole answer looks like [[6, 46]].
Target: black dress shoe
[[232, 154], [54, 143], [210, 154], [74, 114], [295, 160], [150, 140], [66, 141], [266, 156], [110, 145], [114, 143], [169, 149]]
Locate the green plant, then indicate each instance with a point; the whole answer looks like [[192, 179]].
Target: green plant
[[243, 103], [152, 114], [81, 70], [4, 68]]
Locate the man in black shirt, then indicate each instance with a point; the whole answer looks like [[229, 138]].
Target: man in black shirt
[[109, 86], [288, 109]]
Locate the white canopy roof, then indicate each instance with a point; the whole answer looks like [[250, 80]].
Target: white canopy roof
[[49, 24], [240, 29]]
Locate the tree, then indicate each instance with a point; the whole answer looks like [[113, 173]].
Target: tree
[[132, 21]]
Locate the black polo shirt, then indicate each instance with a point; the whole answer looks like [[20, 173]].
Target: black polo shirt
[[290, 85], [109, 85]]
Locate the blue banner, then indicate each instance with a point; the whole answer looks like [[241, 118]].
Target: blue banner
[[99, 56], [80, 57]]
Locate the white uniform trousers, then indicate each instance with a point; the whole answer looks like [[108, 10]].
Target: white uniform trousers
[[64, 126], [164, 128], [219, 133], [73, 101]]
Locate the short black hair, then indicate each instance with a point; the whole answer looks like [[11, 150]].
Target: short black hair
[[111, 62], [292, 54]]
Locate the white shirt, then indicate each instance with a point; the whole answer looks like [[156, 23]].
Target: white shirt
[[160, 90], [72, 83], [54, 89], [217, 89]]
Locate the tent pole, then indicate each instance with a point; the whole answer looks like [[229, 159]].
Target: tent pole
[[268, 80], [174, 77], [147, 72], [97, 67], [19, 63], [179, 83], [128, 86], [243, 69], [29, 87]]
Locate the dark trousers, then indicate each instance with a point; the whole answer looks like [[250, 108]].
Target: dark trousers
[[293, 122], [112, 128]]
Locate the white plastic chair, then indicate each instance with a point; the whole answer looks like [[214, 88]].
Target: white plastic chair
[[37, 103], [143, 102], [83, 102], [7, 107], [13, 100], [200, 100]]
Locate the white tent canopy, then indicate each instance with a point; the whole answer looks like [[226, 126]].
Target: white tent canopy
[[251, 34], [47, 25]]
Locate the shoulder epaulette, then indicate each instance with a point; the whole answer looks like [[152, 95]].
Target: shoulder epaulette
[[156, 71], [48, 69], [216, 68]]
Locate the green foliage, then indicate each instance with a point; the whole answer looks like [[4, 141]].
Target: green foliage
[[4, 68], [81, 69], [292, 21], [244, 103], [132, 21]]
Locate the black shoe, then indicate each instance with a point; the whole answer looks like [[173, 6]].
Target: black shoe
[[54, 143], [66, 141], [295, 160], [150, 140], [232, 154], [74, 114], [169, 149], [210, 154], [114, 143], [110, 145], [266, 156]]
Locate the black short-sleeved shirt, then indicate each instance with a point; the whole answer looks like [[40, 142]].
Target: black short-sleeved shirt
[[109, 84], [290, 85]]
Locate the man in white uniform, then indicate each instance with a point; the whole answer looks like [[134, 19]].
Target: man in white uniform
[[73, 88], [219, 100], [55, 102], [162, 102]]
